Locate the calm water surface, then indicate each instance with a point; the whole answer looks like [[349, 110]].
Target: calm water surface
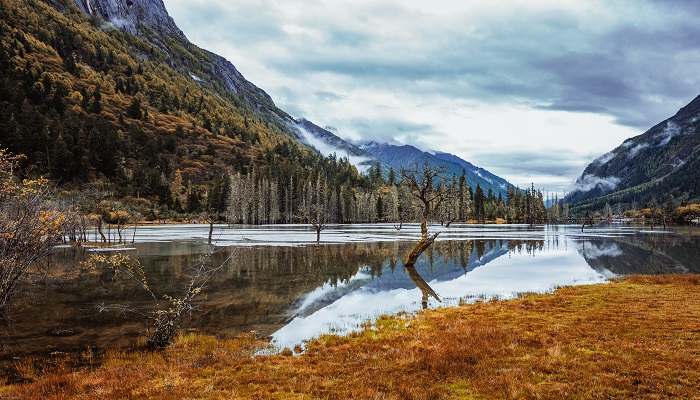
[[281, 285]]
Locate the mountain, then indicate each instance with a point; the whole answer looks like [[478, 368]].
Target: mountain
[[367, 155], [664, 161], [149, 20], [110, 100], [133, 16], [406, 156]]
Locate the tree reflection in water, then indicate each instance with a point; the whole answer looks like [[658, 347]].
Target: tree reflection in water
[[422, 285]]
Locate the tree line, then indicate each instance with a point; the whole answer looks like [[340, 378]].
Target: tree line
[[256, 198]]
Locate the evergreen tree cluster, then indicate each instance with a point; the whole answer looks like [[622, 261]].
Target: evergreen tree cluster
[[257, 198]]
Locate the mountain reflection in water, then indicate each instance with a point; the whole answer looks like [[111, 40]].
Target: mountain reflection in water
[[294, 292]]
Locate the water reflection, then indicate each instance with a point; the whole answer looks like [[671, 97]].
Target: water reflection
[[643, 253], [452, 271], [294, 293], [422, 285]]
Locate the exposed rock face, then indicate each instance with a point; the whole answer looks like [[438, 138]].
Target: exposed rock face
[[127, 15]]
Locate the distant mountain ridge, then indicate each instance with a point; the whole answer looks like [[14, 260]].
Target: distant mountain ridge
[[664, 161], [407, 156]]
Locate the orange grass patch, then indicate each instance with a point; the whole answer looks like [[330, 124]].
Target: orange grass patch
[[634, 338]]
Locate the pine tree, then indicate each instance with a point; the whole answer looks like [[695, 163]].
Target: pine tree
[[479, 200], [392, 177], [96, 106]]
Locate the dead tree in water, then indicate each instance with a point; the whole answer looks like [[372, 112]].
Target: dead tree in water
[[316, 208], [424, 183]]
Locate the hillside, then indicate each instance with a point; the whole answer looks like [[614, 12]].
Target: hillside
[[664, 161], [121, 101]]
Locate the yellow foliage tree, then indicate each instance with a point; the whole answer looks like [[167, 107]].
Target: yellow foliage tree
[[32, 222]]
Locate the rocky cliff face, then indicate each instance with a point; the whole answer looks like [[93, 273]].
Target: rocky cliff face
[[132, 15]]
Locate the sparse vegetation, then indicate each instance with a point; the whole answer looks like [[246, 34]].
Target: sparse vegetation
[[634, 338], [163, 322], [32, 222]]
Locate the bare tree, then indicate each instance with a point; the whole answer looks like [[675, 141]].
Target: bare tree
[[164, 322], [653, 208], [32, 222], [423, 182], [316, 205], [404, 206], [427, 184]]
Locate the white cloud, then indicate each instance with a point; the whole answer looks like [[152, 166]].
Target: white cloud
[[594, 250], [636, 149], [604, 158], [672, 129]]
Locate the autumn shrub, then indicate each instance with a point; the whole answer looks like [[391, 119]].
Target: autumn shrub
[[32, 222]]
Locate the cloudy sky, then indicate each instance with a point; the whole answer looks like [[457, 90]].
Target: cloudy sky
[[530, 90]]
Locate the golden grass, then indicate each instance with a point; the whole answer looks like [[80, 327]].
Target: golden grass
[[634, 338]]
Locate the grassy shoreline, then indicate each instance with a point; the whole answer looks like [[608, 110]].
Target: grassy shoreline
[[634, 338]]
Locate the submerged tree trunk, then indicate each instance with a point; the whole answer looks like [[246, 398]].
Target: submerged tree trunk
[[422, 183], [409, 264], [133, 237], [119, 232], [422, 244], [99, 229]]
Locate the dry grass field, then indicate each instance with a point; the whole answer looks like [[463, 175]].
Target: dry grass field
[[633, 338]]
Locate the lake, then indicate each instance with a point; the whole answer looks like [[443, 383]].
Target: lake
[[282, 286]]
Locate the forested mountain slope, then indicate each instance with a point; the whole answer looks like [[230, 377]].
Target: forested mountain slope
[[141, 111], [664, 161]]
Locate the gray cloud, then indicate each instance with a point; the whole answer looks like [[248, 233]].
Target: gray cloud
[[558, 165], [372, 68], [389, 129]]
